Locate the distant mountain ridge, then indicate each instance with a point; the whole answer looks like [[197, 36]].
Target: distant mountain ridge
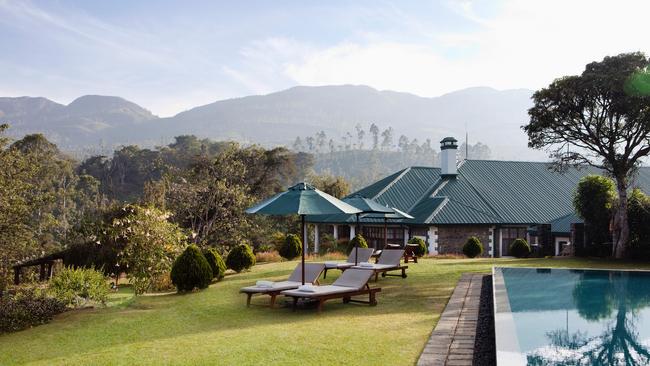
[[493, 117]]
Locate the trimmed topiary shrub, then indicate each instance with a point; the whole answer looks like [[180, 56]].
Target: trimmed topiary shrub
[[422, 246], [291, 247], [191, 270], [520, 248], [473, 247], [240, 258], [217, 264], [359, 241]]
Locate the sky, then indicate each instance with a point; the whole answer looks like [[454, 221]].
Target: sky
[[169, 56]]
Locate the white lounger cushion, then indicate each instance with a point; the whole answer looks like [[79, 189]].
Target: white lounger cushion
[[376, 266], [320, 291], [277, 286], [351, 280]]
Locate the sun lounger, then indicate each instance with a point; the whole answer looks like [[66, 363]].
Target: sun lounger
[[389, 260], [273, 289], [364, 256], [353, 282]]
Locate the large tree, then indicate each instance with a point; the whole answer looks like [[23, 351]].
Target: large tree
[[600, 118]]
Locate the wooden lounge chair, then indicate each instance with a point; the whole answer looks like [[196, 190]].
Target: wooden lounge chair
[[389, 260], [312, 272], [364, 256], [409, 253], [353, 282]]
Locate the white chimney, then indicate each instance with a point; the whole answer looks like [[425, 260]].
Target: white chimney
[[448, 149]]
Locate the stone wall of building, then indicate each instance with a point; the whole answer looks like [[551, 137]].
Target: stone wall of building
[[451, 238]]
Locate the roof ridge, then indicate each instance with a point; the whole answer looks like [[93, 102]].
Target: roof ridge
[[406, 170], [442, 205], [478, 193], [435, 188]]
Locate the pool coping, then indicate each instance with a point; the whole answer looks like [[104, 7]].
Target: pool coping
[[452, 340]]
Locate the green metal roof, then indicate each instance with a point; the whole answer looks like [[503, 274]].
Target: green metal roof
[[483, 192], [562, 225]]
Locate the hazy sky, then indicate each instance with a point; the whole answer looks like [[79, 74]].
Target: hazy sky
[[172, 55]]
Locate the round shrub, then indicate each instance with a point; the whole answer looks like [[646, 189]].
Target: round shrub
[[191, 270], [217, 264], [421, 248], [520, 248], [291, 247], [358, 241], [473, 247], [240, 258]]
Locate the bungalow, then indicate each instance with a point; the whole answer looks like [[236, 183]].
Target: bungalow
[[496, 201]]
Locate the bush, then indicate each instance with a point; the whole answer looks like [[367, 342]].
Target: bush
[[77, 287], [26, 308], [291, 247], [217, 264], [149, 243], [473, 247], [268, 257], [162, 283], [327, 244], [520, 248], [191, 270], [359, 241], [240, 258], [422, 246]]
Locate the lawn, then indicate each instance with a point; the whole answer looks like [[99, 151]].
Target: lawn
[[215, 327]]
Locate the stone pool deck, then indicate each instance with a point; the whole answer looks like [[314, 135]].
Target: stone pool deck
[[452, 341]]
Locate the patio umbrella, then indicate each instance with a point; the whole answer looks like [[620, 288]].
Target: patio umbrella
[[365, 205], [302, 199], [395, 215]]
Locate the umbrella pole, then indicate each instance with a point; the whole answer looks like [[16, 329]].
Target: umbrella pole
[[304, 246], [356, 245]]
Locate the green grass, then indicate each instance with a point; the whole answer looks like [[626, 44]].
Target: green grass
[[215, 327]]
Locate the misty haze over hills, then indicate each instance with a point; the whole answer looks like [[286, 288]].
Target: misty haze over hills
[[97, 124]]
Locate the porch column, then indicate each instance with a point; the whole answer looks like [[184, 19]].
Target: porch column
[[491, 242], [352, 231], [335, 228], [316, 239], [500, 242], [406, 236], [432, 240]]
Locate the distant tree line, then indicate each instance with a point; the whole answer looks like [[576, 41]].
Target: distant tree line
[[364, 155]]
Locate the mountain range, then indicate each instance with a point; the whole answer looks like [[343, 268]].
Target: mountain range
[[97, 124]]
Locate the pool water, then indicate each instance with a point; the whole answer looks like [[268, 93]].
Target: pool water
[[571, 317]]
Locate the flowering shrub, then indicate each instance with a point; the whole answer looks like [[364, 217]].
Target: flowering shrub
[[149, 243]]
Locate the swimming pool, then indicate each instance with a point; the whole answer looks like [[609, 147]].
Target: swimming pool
[[571, 317]]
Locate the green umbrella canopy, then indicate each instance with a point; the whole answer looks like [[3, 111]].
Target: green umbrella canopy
[[303, 199], [366, 204]]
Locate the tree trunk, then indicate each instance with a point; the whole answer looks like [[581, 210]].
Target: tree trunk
[[621, 227]]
